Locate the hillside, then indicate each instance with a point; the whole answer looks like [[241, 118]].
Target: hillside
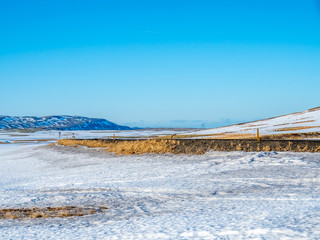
[[304, 123], [63, 122]]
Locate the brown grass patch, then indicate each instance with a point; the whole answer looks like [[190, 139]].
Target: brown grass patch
[[239, 147], [141, 147], [127, 147], [307, 121], [282, 124], [49, 212], [88, 143], [266, 149], [294, 128], [211, 136], [236, 136]]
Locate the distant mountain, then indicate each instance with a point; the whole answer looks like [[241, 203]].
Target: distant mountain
[[62, 122]]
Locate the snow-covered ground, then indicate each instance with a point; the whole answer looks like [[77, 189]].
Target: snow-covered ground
[[219, 195], [300, 122], [53, 135]]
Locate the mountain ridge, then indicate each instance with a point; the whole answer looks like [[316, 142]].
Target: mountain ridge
[[58, 122]]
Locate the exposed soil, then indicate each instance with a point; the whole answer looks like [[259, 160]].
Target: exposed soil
[[48, 212], [294, 128]]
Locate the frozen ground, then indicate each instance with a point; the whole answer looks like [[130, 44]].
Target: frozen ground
[[219, 195]]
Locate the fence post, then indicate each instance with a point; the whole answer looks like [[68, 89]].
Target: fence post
[[114, 137], [258, 135]]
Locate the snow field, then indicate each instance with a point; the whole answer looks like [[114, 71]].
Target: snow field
[[219, 195]]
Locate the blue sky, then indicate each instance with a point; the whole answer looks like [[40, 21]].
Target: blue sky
[[160, 63]]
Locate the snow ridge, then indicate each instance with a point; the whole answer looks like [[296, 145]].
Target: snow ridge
[[62, 122]]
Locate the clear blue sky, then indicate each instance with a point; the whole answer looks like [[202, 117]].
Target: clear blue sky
[[160, 63]]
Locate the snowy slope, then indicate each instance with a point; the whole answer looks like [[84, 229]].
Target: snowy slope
[[306, 121], [63, 122]]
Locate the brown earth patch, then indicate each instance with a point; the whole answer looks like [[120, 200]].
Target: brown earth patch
[[282, 124], [294, 128], [307, 121], [48, 212]]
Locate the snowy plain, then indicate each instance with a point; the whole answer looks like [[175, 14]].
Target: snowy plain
[[218, 195], [53, 135]]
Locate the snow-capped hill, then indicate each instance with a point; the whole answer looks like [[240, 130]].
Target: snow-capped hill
[[63, 122], [299, 122]]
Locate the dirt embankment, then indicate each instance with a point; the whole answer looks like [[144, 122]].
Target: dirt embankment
[[249, 145], [196, 146]]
